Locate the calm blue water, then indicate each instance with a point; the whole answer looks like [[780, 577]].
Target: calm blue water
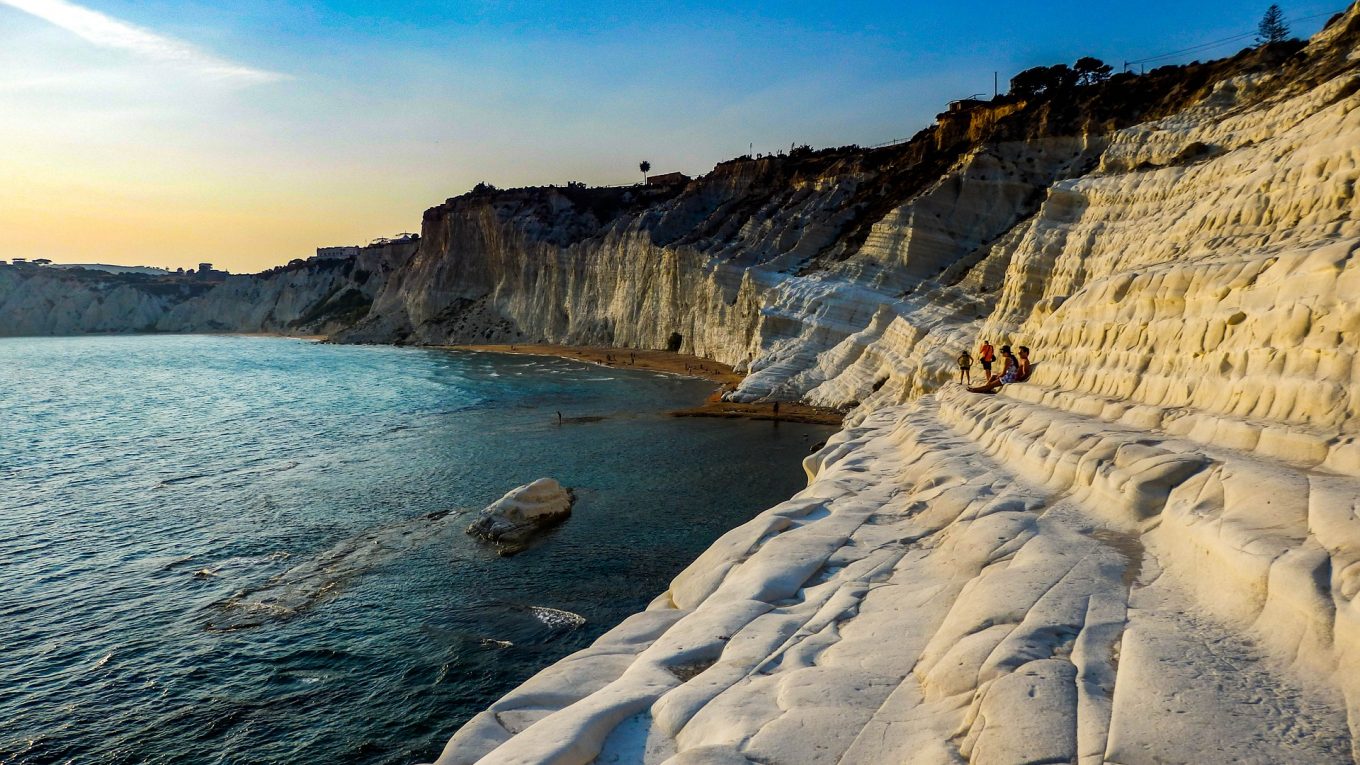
[[221, 549]]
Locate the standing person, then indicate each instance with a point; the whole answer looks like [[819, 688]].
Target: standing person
[[965, 368], [987, 354]]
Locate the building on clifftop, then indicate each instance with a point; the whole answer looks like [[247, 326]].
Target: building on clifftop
[[667, 179]]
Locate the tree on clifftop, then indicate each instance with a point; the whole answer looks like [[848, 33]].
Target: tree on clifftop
[[1091, 70], [1051, 80], [1042, 80], [645, 167], [1272, 28]]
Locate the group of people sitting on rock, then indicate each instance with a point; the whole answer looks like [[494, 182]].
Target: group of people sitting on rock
[[1013, 369]]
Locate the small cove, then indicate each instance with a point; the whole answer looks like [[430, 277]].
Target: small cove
[[250, 550]]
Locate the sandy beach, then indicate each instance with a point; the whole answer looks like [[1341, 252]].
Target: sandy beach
[[680, 364], [308, 338]]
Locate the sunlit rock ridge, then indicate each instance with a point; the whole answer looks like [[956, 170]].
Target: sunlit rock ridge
[[1150, 553]]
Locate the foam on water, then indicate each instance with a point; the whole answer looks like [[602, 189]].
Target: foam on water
[[289, 494], [555, 617]]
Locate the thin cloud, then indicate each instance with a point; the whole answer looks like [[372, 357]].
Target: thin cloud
[[108, 32]]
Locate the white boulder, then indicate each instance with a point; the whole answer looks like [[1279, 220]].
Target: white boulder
[[511, 521]]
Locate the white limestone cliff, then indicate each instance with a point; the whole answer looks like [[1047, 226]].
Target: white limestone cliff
[[318, 297], [1148, 553]]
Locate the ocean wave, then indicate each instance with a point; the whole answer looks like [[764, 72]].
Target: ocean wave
[[177, 562], [251, 469], [556, 617], [236, 562], [183, 479]]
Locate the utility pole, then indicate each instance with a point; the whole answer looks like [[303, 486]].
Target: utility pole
[[996, 84]]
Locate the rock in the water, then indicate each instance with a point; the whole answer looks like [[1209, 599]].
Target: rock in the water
[[511, 521]]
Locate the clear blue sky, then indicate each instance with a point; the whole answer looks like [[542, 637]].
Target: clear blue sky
[[249, 132]]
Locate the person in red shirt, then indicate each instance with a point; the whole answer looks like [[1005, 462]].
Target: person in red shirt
[[1009, 373], [986, 355]]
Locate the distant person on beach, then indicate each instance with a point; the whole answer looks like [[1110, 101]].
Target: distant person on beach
[[1010, 372], [965, 368], [986, 355], [1025, 367]]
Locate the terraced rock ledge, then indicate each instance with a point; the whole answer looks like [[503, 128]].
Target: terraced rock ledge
[[1148, 553]]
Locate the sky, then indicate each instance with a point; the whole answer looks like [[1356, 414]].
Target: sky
[[247, 133]]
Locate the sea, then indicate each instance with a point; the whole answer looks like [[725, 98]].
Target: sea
[[236, 549]]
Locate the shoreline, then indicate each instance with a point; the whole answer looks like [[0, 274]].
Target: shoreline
[[307, 338], [667, 362]]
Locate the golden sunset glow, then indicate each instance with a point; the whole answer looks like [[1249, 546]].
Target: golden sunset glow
[[250, 133]]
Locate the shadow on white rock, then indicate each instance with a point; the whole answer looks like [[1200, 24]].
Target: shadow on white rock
[[512, 521]]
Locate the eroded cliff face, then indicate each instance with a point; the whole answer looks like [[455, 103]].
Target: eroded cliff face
[[1147, 553], [37, 301], [313, 298], [848, 278]]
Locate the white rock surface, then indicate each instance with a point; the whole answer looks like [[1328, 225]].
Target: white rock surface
[[1149, 553], [959, 583], [522, 513]]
